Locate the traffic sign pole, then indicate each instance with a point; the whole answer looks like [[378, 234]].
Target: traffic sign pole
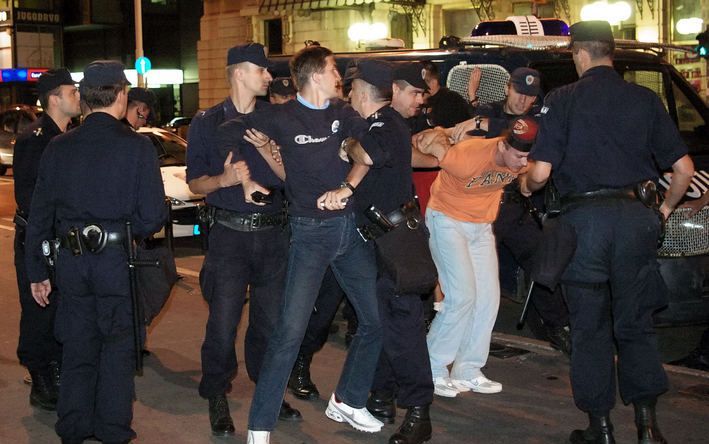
[[139, 38]]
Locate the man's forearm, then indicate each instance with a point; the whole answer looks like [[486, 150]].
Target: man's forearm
[[682, 172], [206, 184], [356, 152], [357, 173], [421, 160]]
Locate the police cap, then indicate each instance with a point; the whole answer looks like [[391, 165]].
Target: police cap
[[252, 52], [375, 72], [103, 73], [522, 133], [283, 86], [591, 31], [54, 78], [412, 72], [526, 81]]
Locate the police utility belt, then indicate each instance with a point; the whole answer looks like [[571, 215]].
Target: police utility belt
[[92, 238], [645, 192], [248, 221], [407, 215]]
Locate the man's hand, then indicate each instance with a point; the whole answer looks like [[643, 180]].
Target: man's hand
[[40, 292], [460, 131], [256, 138], [334, 199], [276, 152], [434, 142], [250, 187], [234, 173], [474, 83]]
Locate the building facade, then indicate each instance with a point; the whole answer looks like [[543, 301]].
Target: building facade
[[285, 25]]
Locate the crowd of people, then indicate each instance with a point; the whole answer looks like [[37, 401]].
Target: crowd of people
[[305, 194]]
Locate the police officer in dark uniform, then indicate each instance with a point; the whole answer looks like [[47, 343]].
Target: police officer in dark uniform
[[516, 228], [404, 371], [601, 139], [248, 245], [37, 348], [92, 181], [141, 107]]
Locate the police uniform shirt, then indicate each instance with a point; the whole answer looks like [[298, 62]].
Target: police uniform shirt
[[603, 132], [230, 139], [387, 185], [310, 140], [203, 157], [28, 151], [101, 172], [447, 108]]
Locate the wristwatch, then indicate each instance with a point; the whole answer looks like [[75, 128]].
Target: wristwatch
[[478, 120], [346, 184]]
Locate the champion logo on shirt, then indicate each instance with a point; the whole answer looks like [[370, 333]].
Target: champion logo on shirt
[[304, 139], [335, 126]]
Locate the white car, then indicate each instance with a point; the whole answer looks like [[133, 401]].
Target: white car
[[171, 150]]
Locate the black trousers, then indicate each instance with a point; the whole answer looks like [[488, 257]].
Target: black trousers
[[237, 261], [517, 231], [95, 326], [37, 346], [404, 368], [613, 286]]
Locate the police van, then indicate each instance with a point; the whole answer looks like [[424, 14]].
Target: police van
[[684, 257]]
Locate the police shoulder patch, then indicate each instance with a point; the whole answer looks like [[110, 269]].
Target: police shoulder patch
[[544, 110], [37, 132], [376, 125]]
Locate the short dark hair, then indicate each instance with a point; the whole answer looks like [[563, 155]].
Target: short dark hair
[[102, 96], [596, 49], [377, 94], [44, 97], [307, 62]]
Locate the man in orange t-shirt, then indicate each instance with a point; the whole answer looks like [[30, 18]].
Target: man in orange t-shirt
[[465, 199]]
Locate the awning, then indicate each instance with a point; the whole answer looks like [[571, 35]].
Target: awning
[[281, 5]]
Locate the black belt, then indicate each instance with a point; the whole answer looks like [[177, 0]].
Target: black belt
[[78, 241], [408, 214], [599, 195], [248, 221]]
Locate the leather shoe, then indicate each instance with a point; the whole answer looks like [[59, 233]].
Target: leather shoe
[[381, 405], [288, 413], [599, 431], [415, 429], [299, 382], [646, 422], [219, 417], [43, 393]]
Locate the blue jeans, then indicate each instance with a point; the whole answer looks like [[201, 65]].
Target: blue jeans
[[315, 244]]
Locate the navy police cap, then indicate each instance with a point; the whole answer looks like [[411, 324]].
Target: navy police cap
[[251, 52], [103, 73], [412, 72], [283, 86], [526, 81], [375, 72], [54, 78], [591, 31]]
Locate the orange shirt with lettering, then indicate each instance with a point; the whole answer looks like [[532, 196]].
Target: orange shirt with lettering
[[469, 185]]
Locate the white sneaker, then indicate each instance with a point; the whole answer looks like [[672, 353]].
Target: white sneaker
[[360, 419], [479, 384], [442, 386], [259, 437]]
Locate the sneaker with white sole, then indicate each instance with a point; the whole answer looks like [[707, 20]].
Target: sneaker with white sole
[[442, 386], [360, 419], [479, 384], [258, 437]]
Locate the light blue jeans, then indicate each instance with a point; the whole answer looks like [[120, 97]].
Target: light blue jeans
[[466, 259]]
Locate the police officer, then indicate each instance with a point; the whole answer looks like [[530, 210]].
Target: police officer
[[281, 90], [92, 181], [141, 107], [37, 348], [404, 371], [516, 229], [248, 245], [443, 107], [601, 138]]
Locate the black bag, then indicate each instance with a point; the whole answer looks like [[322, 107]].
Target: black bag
[[555, 251], [405, 256], [155, 283]]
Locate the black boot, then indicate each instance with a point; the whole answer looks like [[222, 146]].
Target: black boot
[[300, 383], [560, 338], [55, 371], [381, 405], [43, 394], [288, 413], [219, 416], [415, 429], [599, 431], [646, 422]]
